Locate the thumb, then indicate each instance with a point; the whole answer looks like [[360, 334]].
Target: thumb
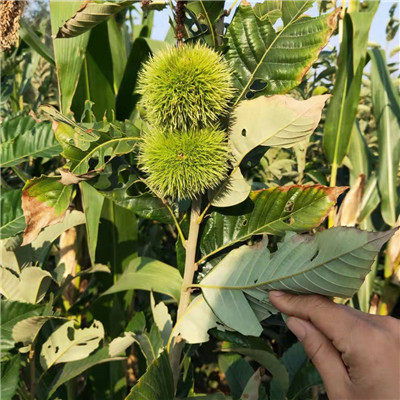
[[324, 356]]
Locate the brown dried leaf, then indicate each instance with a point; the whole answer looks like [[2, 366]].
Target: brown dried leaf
[[69, 178], [44, 203], [38, 215]]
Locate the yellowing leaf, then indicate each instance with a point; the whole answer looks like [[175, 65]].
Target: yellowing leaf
[[29, 287], [44, 202], [350, 208]]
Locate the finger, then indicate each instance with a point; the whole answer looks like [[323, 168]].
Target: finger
[[323, 355], [333, 320]]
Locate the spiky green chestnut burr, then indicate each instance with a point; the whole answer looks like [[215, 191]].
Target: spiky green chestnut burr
[[185, 88], [183, 165]]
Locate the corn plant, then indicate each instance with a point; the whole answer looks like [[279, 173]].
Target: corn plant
[[156, 191]]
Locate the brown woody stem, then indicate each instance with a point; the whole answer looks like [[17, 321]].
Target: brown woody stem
[[190, 269]]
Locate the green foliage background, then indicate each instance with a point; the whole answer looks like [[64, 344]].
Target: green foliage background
[[101, 275]]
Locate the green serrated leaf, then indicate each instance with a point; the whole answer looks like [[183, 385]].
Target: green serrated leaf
[[333, 262], [120, 184], [275, 211], [207, 14], [12, 218], [269, 62], [88, 16], [11, 313], [10, 377], [22, 137]]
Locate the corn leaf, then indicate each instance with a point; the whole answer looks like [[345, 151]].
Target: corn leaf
[[351, 61], [68, 54], [386, 107], [74, 368]]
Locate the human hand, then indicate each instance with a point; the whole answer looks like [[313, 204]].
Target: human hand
[[357, 354]]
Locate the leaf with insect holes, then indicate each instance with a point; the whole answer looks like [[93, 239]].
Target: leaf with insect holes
[[25, 331], [276, 121], [274, 211], [68, 343], [333, 262], [280, 121]]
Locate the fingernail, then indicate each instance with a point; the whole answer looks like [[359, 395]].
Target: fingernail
[[276, 293], [297, 326]]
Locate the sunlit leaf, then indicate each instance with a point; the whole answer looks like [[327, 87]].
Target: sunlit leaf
[[22, 137], [196, 321], [148, 274], [11, 313], [269, 61], [333, 262], [274, 211], [283, 122], [68, 343], [30, 286]]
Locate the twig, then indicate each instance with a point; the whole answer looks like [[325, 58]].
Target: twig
[[180, 21], [190, 269], [190, 265], [32, 373]]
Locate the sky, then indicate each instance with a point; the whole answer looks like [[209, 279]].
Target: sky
[[377, 31]]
